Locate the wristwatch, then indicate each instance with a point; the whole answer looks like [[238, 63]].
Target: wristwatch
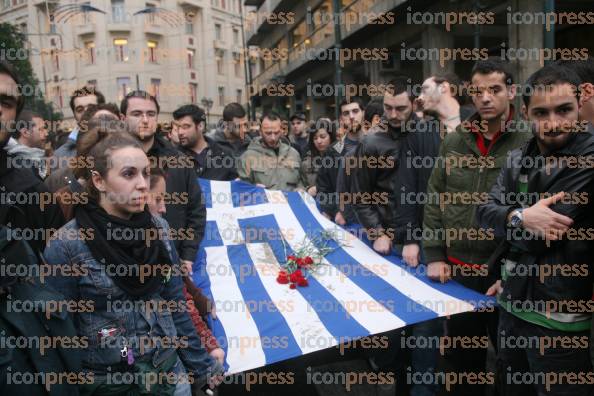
[[516, 219]]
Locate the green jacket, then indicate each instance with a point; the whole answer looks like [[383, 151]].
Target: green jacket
[[460, 181], [262, 165]]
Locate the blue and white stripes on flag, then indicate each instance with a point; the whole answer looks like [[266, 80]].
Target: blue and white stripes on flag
[[357, 294]]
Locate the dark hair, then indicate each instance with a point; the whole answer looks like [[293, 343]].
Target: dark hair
[[94, 109], [493, 65], [141, 95], [233, 110], [374, 107], [191, 110], [24, 120], [270, 115], [156, 174], [321, 123], [548, 76], [97, 129], [400, 84], [353, 99], [583, 68], [99, 155], [9, 70], [86, 91], [456, 88]]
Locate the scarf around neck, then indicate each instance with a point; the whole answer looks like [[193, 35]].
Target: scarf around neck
[[114, 248]]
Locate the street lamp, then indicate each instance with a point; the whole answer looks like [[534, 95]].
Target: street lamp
[[207, 103]]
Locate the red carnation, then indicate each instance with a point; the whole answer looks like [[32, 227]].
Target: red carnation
[[299, 262], [282, 278], [295, 276], [302, 282], [291, 257], [308, 260], [292, 286]]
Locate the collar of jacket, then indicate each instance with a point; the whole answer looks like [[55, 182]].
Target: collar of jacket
[[576, 145], [161, 148], [212, 149], [220, 138], [395, 133], [475, 139], [15, 148], [259, 146]]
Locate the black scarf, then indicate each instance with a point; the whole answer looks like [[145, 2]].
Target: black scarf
[[114, 250]]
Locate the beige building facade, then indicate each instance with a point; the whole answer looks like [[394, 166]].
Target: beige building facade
[[180, 50]]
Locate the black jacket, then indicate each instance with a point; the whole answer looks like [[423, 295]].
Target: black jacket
[[378, 156], [32, 325], [333, 184], [220, 163], [326, 181], [419, 154], [574, 249], [185, 207], [236, 148], [26, 204], [35, 325]]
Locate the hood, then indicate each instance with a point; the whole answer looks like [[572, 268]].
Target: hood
[[20, 150]]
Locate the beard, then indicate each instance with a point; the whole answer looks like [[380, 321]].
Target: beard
[[354, 128], [553, 140]]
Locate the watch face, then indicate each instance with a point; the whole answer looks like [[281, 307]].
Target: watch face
[[515, 220]]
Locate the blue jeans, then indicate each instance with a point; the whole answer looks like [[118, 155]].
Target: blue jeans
[[183, 387]]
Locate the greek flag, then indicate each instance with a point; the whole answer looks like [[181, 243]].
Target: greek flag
[[355, 293]]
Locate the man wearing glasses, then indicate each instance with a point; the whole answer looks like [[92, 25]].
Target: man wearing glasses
[[140, 111]]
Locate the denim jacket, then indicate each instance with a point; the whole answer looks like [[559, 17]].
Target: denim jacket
[[115, 323]]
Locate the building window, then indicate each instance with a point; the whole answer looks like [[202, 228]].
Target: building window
[[121, 50], [57, 97], [193, 93], [218, 31], [237, 64], [239, 96], [253, 68], [189, 24], [220, 55], [92, 83], [223, 4], [55, 60], [221, 96], [118, 12], [152, 51], [123, 87], [155, 85], [191, 57], [235, 36], [298, 34], [90, 52]]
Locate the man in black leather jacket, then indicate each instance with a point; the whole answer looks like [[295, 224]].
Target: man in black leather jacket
[[542, 206], [375, 162]]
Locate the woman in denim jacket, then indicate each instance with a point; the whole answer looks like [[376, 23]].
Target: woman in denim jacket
[[115, 265]]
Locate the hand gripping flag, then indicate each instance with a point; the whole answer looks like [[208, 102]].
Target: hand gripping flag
[[356, 293]]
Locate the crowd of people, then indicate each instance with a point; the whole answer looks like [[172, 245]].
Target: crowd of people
[[485, 180]]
